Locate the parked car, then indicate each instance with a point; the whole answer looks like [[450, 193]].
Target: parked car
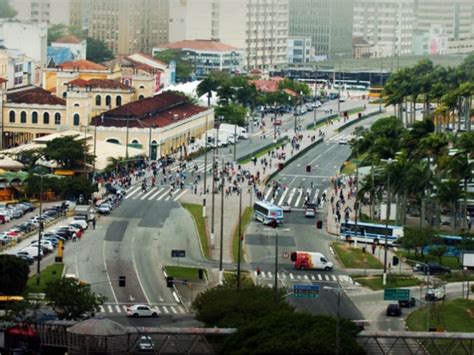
[[45, 245], [141, 310], [104, 209], [407, 303], [286, 207], [394, 310], [32, 251], [435, 294], [433, 268], [80, 223], [6, 239], [29, 259]]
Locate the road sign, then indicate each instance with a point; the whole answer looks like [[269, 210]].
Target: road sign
[[178, 253], [286, 255], [396, 294], [306, 291]]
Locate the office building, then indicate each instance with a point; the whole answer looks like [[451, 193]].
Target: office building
[[453, 18], [387, 25], [49, 11], [299, 50], [327, 22], [259, 27], [129, 26]]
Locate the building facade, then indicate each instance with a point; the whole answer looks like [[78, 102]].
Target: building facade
[[259, 27], [20, 69], [207, 56], [327, 22], [454, 17], [433, 42], [299, 50], [49, 11], [129, 26], [28, 38], [387, 25], [78, 47]]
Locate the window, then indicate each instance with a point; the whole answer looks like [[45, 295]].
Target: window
[[76, 119], [12, 116], [34, 117], [64, 94], [108, 100], [23, 117], [113, 140], [57, 118], [46, 118], [98, 100], [76, 104], [118, 101], [141, 97]]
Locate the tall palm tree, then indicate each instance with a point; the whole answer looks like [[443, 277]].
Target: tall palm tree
[[448, 192], [207, 86]]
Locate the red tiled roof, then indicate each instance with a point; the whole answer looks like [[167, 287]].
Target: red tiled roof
[[201, 45], [2, 80], [160, 110], [82, 65], [68, 39], [100, 83], [290, 92], [36, 96], [265, 85]]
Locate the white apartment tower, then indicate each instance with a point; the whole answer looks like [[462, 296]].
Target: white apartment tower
[[386, 24], [259, 27]]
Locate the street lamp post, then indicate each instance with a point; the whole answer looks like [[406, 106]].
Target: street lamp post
[[221, 247], [40, 231], [275, 281], [387, 216], [205, 157], [315, 96], [214, 163], [239, 246]]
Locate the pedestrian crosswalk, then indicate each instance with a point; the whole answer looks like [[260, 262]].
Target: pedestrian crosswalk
[[159, 193], [295, 196], [309, 277], [120, 309], [341, 137]]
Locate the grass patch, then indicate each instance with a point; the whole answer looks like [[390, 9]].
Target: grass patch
[[353, 258], [231, 276], [184, 273], [449, 261], [52, 272], [457, 277], [393, 281], [452, 316], [348, 168], [264, 152], [196, 212], [246, 217], [355, 110]]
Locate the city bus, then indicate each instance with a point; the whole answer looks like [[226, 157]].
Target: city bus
[[265, 212], [370, 232], [375, 92], [454, 244]]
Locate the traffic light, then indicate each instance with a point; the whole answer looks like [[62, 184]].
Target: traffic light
[[395, 260], [122, 281], [201, 274], [169, 281]]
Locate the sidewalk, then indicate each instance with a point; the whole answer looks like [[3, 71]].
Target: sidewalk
[[261, 168]]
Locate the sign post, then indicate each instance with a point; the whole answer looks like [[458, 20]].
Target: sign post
[[178, 254], [396, 294]]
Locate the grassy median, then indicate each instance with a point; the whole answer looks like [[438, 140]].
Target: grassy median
[[52, 272], [246, 217], [355, 258], [264, 152], [393, 281], [196, 212], [184, 273]]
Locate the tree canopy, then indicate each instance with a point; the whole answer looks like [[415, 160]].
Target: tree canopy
[[184, 68], [72, 299], [13, 275], [68, 152], [232, 113], [6, 10], [97, 51]]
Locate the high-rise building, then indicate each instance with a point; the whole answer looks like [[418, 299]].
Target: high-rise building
[[385, 24], [259, 27], [128, 26], [79, 11], [49, 11], [327, 22], [453, 18]]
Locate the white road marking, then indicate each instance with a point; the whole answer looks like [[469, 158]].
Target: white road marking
[[327, 277], [263, 274], [107, 273], [165, 309], [306, 277], [282, 197], [334, 278], [270, 285], [268, 193], [102, 310], [299, 197], [117, 307], [110, 309], [128, 195], [136, 270], [320, 277], [291, 195], [125, 308], [163, 195], [156, 194], [291, 276], [174, 310], [269, 275], [181, 310], [313, 278], [147, 194], [180, 195], [316, 194], [299, 277]]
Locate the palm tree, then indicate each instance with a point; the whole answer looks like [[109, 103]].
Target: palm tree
[[207, 86], [448, 192]]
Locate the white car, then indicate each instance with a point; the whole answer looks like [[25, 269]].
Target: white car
[[286, 207], [84, 225], [45, 244], [142, 310]]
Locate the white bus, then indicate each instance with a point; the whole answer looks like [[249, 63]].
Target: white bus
[[370, 232], [265, 212]]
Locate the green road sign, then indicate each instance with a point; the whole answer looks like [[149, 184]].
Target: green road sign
[[396, 294]]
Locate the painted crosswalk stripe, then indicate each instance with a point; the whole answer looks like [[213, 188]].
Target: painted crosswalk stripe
[[156, 194], [263, 274], [299, 277], [117, 307], [327, 277], [163, 195], [110, 309], [181, 309], [268, 193], [132, 193], [148, 193], [291, 276], [255, 273], [172, 195], [306, 277], [316, 194], [300, 193], [166, 310], [180, 195], [282, 197], [269, 275], [313, 278], [174, 310], [334, 278], [102, 309], [125, 308], [320, 277], [291, 196]]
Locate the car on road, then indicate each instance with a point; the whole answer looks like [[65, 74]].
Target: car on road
[[142, 310], [407, 303], [286, 207], [342, 141], [435, 294], [310, 210], [433, 268], [145, 343], [394, 310]]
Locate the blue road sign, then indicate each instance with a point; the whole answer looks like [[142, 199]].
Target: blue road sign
[[306, 291], [178, 253]]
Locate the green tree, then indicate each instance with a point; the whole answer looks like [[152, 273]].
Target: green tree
[[97, 51], [438, 251], [56, 32], [285, 332], [184, 68], [13, 275], [72, 299], [6, 10], [68, 152], [224, 306], [232, 113], [206, 87], [296, 86], [76, 185]]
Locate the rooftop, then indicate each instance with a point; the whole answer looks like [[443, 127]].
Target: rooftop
[[201, 45], [69, 39], [160, 111], [100, 84], [82, 65], [35, 96]]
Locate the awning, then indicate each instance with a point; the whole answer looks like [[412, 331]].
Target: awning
[[65, 172]]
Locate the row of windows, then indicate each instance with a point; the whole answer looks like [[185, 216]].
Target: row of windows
[[46, 118], [108, 100]]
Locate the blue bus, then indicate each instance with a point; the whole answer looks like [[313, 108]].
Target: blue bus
[[370, 232], [453, 244], [265, 212]]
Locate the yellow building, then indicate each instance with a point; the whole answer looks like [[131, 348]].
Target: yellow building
[[161, 125]]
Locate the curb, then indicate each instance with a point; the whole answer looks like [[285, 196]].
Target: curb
[[176, 294], [357, 120]]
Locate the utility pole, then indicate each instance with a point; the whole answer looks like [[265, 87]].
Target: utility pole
[[205, 157], [387, 216], [239, 248], [214, 163], [221, 250], [40, 231], [315, 95]]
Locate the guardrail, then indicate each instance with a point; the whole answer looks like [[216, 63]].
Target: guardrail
[[359, 119]]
